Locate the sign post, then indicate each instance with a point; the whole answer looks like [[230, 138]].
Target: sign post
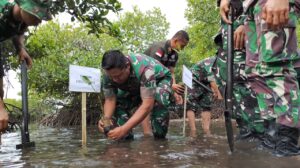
[[187, 78], [83, 118], [84, 79]]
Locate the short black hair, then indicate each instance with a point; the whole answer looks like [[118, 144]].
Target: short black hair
[[181, 34], [113, 59]]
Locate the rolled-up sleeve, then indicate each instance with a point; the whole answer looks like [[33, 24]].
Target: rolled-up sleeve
[[108, 89], [148, 84]]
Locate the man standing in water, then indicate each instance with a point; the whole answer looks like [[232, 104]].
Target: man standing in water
[[245, 105], [271, 50], [15, 17], [199, 99], [166, 52], [135, 86]]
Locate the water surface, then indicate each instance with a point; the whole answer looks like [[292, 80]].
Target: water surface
[[62, 148]]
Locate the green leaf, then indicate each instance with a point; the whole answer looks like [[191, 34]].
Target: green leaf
[[86, 79]]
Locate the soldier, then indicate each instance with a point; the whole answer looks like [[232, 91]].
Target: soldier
[[166, 52], [199, 99], [271, 50], [135, 86], [15, 17], [245, 106]]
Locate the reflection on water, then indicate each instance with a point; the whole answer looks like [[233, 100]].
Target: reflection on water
[[62, 148]]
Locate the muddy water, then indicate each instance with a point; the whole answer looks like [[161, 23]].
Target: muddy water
[[62, 148]]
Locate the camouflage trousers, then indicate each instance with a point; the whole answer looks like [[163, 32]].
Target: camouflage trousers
[[199, 99], [269, 68], [245, 104], [298, 75], [246, 108], [127, 104]]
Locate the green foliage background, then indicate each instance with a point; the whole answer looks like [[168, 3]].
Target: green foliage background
[[54, 47], [203, 20]]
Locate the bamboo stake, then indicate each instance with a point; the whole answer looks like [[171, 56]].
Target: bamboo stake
[[184, 109], [83, 118]]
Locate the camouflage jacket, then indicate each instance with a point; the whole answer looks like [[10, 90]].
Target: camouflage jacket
[[203, 70], [145, 74], [8, 26]]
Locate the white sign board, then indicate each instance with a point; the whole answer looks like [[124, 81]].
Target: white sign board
[[84, 79], [187, 77]]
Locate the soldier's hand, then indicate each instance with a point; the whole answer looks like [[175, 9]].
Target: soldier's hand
[[239, 37], [214, 93], [220, 97], [276, 13], [217, 95], [224, 10], [179, 89], [117, 133], [178, 98], [101, 126], [23, 55], [3, 120]]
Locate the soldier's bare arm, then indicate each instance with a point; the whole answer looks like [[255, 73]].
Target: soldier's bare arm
[[3, 117], [18, 42], [215, 89], [224, 9], [172, 70], [176, 87]]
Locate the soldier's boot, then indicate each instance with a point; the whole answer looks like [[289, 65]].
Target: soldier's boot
[[244, 131], [270, 134], [287, 141]]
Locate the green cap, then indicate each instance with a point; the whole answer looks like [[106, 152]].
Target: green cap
[[38, 8]]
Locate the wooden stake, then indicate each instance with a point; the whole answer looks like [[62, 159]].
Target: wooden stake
[[184, 109], [83, 118]]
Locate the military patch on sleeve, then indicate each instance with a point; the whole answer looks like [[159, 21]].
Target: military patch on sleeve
[[159, 53]]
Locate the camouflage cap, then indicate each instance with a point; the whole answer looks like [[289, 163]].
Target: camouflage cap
[[38, 8]]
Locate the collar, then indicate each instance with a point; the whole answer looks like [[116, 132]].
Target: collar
[[168, 48]]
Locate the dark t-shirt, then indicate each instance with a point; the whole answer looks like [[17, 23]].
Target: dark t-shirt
[[162, 52]]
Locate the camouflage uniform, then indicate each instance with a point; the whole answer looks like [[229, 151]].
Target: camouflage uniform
[[245, 106], [297, 69], [10, 27], [148, 78], [199, 99], [269, 66], [162, 52], [270, 60]]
